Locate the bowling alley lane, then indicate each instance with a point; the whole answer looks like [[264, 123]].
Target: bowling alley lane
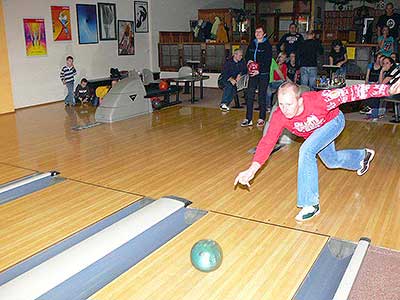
[[260, 261], [41, 219]]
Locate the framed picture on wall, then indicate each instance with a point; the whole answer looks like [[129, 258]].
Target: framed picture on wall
[[107, 21], [61, 20], [141, 16], [126, 38], [87, 23], [35, 37]]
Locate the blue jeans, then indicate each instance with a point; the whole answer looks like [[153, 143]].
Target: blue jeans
[[69, 99], [272, 87], [322, 142], [229, 92], [342, 71], [308, 76], [374, 103]]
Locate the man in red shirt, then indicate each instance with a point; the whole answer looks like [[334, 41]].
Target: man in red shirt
[[316, 117]]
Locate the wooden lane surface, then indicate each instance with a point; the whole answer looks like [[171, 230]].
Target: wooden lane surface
[[9, 173], [197, 152], [37, 221], [259, 262]]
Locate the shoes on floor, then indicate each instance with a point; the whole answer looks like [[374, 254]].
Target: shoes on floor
[[366, 110], [224, 107], [260, 123], [246, 123]]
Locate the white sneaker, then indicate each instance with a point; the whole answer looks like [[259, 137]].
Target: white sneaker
[[224, 107], [246, 123], [307, 213]]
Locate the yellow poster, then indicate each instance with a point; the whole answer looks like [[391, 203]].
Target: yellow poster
[[35, 37]]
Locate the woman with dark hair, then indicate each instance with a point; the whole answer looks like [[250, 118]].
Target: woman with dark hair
[[395, 57], [373, 104], [390, 73], [389, 70], [386, 42], [338, 57]]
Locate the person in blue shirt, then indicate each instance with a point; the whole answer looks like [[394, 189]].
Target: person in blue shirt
[[234, 68]]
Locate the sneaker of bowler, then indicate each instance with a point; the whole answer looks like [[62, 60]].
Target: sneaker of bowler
[[246, 123], [307, 213], [224, 107], [369, 156]]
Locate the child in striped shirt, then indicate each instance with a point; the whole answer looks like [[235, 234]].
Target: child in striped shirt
[[67, 77]]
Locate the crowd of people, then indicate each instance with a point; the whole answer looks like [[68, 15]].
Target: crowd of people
[[315, 115], [297, 61]]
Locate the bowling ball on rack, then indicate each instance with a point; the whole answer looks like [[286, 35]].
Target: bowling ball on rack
[[163, 85], [206, 255], [156, 103]]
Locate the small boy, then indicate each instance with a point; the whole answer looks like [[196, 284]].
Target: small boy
[[67, 77], [82, 92]]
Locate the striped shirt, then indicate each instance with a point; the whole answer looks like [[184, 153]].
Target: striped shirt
[[394, 74], [67, 74]]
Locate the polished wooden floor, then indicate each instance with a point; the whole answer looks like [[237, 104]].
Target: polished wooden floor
[[39, 220], [260, 262], [192, 152]]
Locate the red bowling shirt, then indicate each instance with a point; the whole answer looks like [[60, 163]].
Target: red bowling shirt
[[319, 108]]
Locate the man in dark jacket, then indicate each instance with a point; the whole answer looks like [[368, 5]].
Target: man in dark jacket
[[290, 41], [307, 54], [234, 68], [260, 51], [392, 21]]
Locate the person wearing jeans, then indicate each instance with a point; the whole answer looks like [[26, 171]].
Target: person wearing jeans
[[233, 69], [372, 76], [307, 55], [69, 99], [67, 77], [322, 143], [308, 76], [316, 117]]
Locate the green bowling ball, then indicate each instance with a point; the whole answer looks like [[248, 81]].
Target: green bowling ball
[[206, 255]]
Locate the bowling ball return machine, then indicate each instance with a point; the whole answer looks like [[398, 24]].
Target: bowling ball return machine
[[130, 98]]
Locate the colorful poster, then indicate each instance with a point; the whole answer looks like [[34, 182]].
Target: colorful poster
[[87, 24], [35, 37], [126, 43], [61, 19]]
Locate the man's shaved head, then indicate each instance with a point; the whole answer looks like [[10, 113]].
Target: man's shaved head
[[289, 99], [289, 87]]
